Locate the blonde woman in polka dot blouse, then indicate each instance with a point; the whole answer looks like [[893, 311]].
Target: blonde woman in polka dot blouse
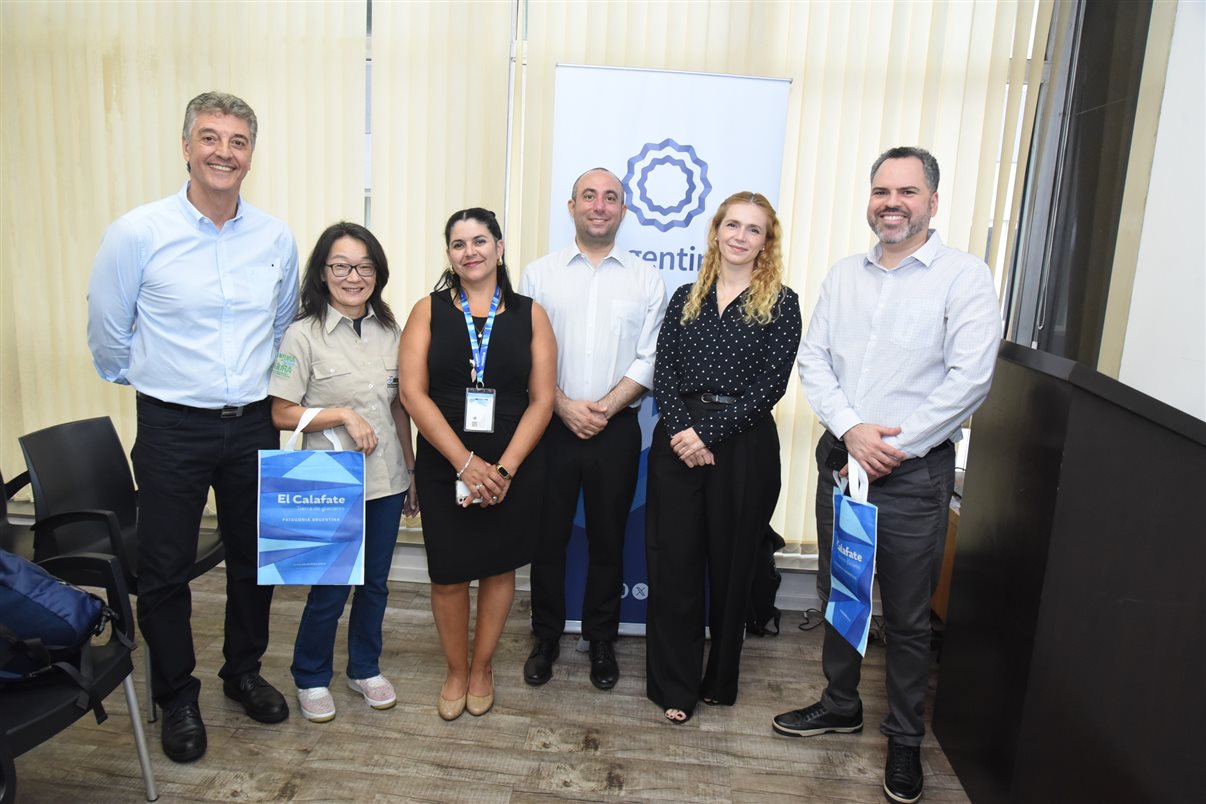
[[724, 356]]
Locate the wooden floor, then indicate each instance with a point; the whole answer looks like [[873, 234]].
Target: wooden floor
[[563, 741]]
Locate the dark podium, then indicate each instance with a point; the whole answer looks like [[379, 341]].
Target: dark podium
[[1074, 665]]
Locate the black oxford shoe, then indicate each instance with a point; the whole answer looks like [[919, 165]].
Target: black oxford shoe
[[183, 734], [261, 701], [539, 667], [604, 671]]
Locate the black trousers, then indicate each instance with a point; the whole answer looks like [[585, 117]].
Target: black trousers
[[704, 523], [604, 468], [913, 504], [178, 455]]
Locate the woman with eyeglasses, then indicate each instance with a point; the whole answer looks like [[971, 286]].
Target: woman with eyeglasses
[[479, 368], [724, 356], [341, 355]]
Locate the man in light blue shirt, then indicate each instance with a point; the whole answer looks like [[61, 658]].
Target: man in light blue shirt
[[899, 352], [188, 300]]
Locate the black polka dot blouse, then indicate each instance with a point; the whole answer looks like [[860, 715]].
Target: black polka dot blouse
[[724, 355]]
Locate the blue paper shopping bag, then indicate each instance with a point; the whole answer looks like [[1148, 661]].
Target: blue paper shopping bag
[[852, 561], [311, 513]]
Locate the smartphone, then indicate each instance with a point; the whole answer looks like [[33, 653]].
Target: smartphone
[[462, 493], [838, 457]]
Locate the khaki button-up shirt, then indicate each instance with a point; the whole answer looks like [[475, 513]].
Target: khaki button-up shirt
[[327, 365]]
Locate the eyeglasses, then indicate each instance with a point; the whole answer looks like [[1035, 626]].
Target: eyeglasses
[[342, 269]]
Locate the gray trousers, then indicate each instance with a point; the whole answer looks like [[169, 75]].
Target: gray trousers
[[913, 502]]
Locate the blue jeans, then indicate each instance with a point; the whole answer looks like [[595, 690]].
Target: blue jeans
[[314, 649]]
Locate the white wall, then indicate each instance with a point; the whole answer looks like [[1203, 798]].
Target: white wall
[[1164, 354]]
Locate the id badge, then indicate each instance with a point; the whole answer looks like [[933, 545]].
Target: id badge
[[479, 410]]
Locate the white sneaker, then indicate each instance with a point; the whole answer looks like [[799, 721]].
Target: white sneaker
[[377, 691], [316, 703]]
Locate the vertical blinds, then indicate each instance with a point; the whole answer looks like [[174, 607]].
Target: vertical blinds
[[93, 95], [93, 98]]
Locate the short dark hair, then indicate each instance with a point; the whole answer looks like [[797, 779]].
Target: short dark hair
[[219, 103], [449, 280], [928, 163], [316, 296]]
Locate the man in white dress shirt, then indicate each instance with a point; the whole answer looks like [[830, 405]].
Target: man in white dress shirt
[[606, 308], [899, 352]]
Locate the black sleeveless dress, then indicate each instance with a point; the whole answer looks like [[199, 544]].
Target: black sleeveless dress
[[465, 544]]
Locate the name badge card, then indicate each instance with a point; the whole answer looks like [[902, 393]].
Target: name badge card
[[479, 410], [479, 400]]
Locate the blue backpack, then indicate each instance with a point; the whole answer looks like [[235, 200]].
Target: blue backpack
[[46, 627]]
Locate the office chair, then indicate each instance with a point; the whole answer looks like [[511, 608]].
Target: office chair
[[79, 470], [31, 713], [15, 537]]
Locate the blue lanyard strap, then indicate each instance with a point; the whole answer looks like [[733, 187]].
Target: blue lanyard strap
[[479, 347]]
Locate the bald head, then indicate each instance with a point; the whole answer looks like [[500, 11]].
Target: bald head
[[618, 185]]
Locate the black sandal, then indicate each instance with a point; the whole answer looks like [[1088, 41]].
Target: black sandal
[[676, 721]]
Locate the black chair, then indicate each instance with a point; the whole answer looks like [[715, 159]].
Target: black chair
[[79, 471], [31, 713], [15, 536]]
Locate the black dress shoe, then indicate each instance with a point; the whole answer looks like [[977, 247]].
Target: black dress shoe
[[604, 671], [261, 701], [539, 667], [183, 734]]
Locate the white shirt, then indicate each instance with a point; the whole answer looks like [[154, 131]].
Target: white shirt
[[606, 319], [911, 347]]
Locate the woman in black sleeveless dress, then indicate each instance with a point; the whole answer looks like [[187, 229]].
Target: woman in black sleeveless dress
[[506, 372]]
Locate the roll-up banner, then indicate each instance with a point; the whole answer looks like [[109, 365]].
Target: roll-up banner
[[681, 143]]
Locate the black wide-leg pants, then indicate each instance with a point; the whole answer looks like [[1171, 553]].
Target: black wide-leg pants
[[178, 455], [704, 523], [913, 503]]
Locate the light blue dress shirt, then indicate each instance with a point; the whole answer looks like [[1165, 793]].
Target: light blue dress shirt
[[189, 313], [911, 347]]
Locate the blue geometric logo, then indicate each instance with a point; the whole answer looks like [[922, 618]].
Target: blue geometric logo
[[667, 185]]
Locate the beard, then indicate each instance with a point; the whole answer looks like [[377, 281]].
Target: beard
[[899, 235]]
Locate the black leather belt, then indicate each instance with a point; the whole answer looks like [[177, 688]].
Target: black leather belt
[[716, 399], [948, 444], [227, 412]]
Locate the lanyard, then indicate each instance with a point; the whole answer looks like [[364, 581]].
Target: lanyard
[[479, 347]]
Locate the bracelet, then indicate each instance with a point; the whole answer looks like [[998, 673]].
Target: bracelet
[[468, 461], [502, 472]]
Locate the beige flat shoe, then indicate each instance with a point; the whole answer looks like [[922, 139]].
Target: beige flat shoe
[[450, 710], [479, 705]]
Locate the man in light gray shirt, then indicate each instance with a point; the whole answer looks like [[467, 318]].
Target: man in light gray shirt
[[899, 352], [606, 308]]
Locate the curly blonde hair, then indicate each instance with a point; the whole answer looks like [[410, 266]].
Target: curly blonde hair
[[767, 279]]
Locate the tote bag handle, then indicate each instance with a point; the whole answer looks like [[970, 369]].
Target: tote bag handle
[[305, 420], [860, 484]]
